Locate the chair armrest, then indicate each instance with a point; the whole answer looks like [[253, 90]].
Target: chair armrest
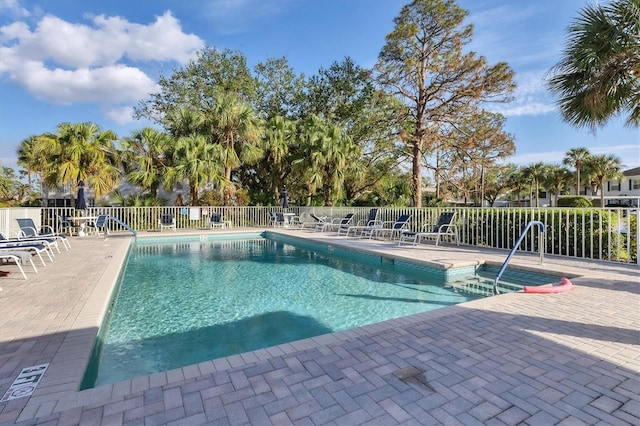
[[43, 229], [21, 232]]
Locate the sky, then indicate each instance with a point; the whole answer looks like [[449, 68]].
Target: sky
[[77, 61]]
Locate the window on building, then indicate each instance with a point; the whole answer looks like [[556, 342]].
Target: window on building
[[634, 184]]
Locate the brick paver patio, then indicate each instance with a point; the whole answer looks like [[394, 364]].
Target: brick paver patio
[[535, 359]]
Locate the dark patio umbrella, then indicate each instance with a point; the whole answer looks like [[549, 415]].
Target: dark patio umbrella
[[285, 198], [81, 200]]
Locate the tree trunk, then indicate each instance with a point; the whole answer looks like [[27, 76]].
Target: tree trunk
[[416, 177]]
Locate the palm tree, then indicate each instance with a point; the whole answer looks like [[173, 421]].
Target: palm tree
[[597, 78], [556, 180], [197, 161], [600, 168], [279, 133], [576, 158], [516, 181], [536, 173], [147, 154], [307, 162], [32, 156], [237, 129], [82, 151]]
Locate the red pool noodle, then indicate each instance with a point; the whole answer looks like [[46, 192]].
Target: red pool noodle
[[565, 285]]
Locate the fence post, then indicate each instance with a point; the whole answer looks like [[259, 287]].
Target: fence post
[[637, 235]]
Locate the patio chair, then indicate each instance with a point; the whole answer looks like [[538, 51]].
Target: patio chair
[[336, 224], [372, 221], [50, 243], [445, 226], [312, 223], [100, 224], [28, 229], [26, 246], [20, 258], [67, 224], [216, 221], [392, 229], [275, 220], [167, 221]]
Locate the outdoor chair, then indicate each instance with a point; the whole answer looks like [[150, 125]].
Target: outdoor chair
[[388, 228], [274, 220], [313, 222], [20, 258], [167, 221], [216, 221], [30, 247], [371, 222], [49, 243], [67, 224], [444, 227], [28, 229], [336, 224], [100, 224]]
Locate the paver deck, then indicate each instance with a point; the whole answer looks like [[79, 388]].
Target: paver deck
[[536, 359]]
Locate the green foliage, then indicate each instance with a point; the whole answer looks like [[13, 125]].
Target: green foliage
[[574, 201], [596, 79], [593, 232]]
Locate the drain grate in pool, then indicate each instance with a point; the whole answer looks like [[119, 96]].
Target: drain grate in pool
[[414, 376]]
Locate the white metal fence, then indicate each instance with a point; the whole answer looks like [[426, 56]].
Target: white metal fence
[[609, 234]]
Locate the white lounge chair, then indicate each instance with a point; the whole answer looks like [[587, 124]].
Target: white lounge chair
[[444, 227], [388, 228], [371, 222], [28, 229]]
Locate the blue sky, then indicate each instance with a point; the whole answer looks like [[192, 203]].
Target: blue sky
[[76, 61]]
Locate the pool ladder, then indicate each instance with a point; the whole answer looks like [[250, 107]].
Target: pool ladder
[[515, 247]]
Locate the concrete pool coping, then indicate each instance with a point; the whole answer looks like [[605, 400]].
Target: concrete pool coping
[[53, 318]]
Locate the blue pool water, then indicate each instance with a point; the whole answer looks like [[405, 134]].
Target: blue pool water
[[184, 302]]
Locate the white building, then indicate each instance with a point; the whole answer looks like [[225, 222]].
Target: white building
[[625, 191]]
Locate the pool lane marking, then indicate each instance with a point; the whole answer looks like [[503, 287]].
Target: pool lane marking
[[26, 382]]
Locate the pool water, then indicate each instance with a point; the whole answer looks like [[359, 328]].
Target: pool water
[[184, 302]]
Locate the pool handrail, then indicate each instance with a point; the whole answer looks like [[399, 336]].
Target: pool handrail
[[515, 247]]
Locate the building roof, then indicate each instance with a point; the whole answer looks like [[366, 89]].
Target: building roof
[[632, 172]]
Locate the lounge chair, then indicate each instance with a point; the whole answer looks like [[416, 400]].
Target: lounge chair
[[336, 224], [28, 229], [313, 223], [20, 257], [392, 229], [167, 221], [216, 221], [371, 222], [50, 243], [445, 226], [30, 247]]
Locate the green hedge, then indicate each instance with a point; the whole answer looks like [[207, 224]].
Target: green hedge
[[574, 201], [588, 233]]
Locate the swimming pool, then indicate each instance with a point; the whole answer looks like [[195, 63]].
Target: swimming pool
[[184, 301]]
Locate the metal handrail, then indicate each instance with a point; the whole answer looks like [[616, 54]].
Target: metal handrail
[[515, 247]]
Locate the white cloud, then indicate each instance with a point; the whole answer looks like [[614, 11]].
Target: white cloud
[[64, 62], [120, 114], [531, 97], [13, 8], [111, 84]]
